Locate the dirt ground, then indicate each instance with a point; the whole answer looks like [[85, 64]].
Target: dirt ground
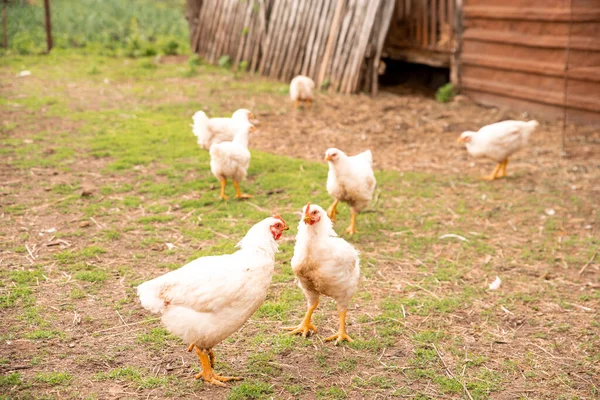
[[537, 339]]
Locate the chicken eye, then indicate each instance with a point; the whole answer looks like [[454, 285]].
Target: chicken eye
[[314, 212]]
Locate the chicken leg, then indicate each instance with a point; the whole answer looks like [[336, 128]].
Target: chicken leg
[[305, 326], [238, 192], [352, 228], [207, 372], [308, 103], [296, 103], [211, 354], [223, 195], [341, 335], [332, 210], [502, 172], [494, 174]]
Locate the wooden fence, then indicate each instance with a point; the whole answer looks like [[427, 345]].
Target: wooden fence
[[338, 43]]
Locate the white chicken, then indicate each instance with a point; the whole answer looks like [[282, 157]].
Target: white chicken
[[217, 130], [350, 180], [324, 264], [210, 298], [301, 90], [230, 160], [498, 142]]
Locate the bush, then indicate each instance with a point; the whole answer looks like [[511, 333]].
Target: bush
[[445, 93]]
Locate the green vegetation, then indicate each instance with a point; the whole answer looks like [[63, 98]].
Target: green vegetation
[[134, 28], [445, 93]]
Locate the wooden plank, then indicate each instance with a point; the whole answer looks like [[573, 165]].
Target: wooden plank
[[246, 35], [433, 23], [282, 37], [533, 13], [530, 94], [324, 24], [344, 38], [362, 44], [290, 42], [261, 39], [314, 29], [269, 35], [546, 41], [333, 31], [296, 57], [383, 31], [353, 53], [451, 19], [424, 24]]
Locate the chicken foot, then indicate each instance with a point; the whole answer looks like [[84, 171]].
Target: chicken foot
[[207, 370], [305, 326], [352, 228], [238, 192], [341, 335], [223, 184], [332, 210], [494, 175]]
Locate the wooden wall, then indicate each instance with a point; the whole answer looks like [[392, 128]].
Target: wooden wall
[[533, 55]]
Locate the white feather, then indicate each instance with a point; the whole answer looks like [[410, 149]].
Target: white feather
[[495, 285], [217, 130], [208, 299], [301, 88], [351, 179]]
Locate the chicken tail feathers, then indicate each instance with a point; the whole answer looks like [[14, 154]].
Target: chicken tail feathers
[[150, 301]]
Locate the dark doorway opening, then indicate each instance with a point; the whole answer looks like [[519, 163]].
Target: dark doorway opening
[[401, 77]]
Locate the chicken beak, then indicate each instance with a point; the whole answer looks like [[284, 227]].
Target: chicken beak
[[460, 140], [327, 157], [286, 228], [306, 219]]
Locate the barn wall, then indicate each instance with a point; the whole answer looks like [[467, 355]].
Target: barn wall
[[514, 53]]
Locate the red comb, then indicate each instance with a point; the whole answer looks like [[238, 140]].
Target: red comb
[[307, 211], [277, 216]]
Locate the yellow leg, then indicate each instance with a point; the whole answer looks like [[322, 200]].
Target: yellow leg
[[207, 369], [494, 174], [352, 228], [238, 192], [332, 210], [305, 326], [502, 172], [341, 335], [296, 103], [211, 354], [308, 103], [223, 195]]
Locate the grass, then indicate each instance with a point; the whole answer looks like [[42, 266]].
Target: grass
[[130, 140], [111, 27]]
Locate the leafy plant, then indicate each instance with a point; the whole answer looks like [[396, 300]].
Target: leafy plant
[[445, 93]]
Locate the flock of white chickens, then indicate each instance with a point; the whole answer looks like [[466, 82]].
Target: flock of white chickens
[[210, 298]]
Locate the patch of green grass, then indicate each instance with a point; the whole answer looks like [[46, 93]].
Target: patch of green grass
[[54, 378], [41, 334], [156, 338], [334, 393], [138, 376], [94, 276], [250, 390], [12, 379], [15, 296]]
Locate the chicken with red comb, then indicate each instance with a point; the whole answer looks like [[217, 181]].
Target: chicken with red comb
[[323, 264]]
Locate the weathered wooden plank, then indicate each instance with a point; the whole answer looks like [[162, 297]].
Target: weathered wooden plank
[[344, 38], [333, 31], [290, 35], [317, 47], [246, 35], [383, 31], [270, 37], [353, 53], [309, 26], [362, 44]]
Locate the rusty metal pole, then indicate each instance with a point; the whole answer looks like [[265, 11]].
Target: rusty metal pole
[[48, 24]]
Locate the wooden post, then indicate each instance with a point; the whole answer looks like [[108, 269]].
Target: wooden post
[[48, 25], [330, 42], [4, 18]]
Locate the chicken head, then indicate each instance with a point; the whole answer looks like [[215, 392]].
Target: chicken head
[[277, 227]]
